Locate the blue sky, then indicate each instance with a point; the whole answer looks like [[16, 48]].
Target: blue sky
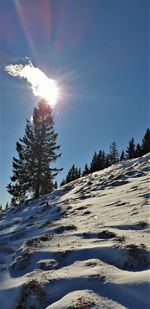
[[98, 51]]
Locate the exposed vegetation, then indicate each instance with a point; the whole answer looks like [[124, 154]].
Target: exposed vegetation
[[136, 257], [32, 296]]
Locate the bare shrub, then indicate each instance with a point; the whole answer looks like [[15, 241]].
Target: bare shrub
[[21, 262], [32, 296], [136, 257], [82, 304], [106, 234]]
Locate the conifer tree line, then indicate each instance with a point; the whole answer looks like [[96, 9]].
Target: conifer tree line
[[102, 160], [33, 170]]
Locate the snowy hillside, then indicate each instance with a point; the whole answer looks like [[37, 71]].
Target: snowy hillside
[[83, 246]]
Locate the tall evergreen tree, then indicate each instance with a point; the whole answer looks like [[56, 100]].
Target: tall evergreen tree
[[101, 160], [138, 151], [94, 163], [122, 156], [78, 172], [73, 174], [146, 142], [86, 170], [107, 160], [45, 148], [55, 185], [70, 174], [22, 167], [131, 149], [33, 173], [113, 154]]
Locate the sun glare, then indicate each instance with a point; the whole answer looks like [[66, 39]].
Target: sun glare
[[40, 84], [47, 90]]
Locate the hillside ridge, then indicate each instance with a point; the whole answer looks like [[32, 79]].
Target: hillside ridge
[[84, 246]]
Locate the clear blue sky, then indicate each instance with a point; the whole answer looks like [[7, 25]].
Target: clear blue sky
[[99, 50]]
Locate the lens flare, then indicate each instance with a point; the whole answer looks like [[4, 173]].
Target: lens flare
[[40, 84]]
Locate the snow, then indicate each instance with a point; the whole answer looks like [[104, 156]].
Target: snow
[[85, 245]]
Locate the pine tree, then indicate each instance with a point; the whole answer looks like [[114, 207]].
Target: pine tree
[[146, 142], [70, 174], [94, 163], [23, 166], [45, 148], [107, 161], [55, 185], [122, 156], [113, 154], [86, 170], [73, 174], [131, 149], [138, 151], [101, 160], [33, 173], [63, 182], [78, 173], [7, 206]]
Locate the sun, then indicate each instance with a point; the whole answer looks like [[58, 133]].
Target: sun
[[48, 89]]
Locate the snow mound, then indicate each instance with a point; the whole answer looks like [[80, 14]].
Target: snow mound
[[84, 299]]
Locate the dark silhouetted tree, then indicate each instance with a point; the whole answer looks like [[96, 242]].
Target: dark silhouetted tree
[[73, 174], [113, 154], [22, 167], [138, 151], [63, 182], [131, 149], [146, 142], [101, 160], [107, 161], [7, 206], [55, 185], [33, 171], [86, 170], [94, 163], [78, 172], [122, 156]]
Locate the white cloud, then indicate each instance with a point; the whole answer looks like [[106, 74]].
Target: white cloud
[[40, 84]]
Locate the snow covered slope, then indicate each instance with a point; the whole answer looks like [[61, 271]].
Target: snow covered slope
[[82, 246]]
